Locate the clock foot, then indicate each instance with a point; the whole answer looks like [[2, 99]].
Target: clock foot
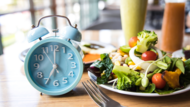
[[41, 93]]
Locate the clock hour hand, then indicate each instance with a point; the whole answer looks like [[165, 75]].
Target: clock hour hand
[[55, 60], [47, 79], [52, 71]]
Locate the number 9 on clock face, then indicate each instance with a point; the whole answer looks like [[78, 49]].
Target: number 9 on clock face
[[53, 67]]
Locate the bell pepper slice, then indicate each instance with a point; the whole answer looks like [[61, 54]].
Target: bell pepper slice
[[172, 78]]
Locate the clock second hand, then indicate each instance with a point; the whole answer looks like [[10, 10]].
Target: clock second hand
[[49, 59]]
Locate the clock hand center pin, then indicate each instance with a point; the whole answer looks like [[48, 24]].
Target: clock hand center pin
[[54, 66]]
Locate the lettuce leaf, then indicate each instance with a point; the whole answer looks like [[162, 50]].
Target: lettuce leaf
[[165, 90], [162, 92], [150, 88], [185, 78], [106, 66]]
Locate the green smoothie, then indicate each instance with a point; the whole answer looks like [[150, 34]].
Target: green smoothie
[[133, 14]]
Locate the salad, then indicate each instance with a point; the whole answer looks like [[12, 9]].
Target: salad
[[141, 67]]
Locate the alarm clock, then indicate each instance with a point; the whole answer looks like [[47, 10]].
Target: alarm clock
[[54, 65]]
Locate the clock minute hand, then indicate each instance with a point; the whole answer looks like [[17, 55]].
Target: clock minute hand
[[55, 60], [54, 54], [50, 60]]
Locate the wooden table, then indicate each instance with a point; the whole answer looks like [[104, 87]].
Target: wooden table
[[16, 91]]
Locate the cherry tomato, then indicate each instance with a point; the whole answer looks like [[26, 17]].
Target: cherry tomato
[[149, 55], [133, 41], [158, 81]]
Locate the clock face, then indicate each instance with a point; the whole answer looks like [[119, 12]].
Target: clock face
[[54, 67]]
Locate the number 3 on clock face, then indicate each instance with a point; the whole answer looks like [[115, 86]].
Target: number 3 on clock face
[[54, 66]]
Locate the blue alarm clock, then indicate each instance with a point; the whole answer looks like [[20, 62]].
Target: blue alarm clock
[[54, 66]]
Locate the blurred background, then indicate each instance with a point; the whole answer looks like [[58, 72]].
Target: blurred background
[[17, 16]]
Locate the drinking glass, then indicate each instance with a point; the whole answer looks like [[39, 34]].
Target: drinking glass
[[133, 14], [173, 25]]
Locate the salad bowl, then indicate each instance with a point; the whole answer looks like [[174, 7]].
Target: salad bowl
[[141, 69]]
